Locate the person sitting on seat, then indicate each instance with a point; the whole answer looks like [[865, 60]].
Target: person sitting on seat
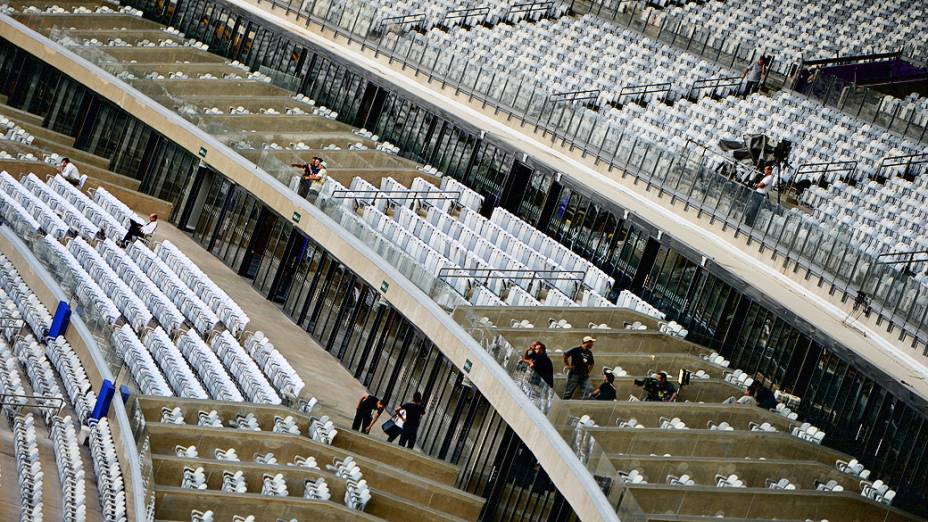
[[606, 390], [69, 172], [137, 229]]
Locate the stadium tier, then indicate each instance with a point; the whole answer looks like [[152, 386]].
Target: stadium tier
[[586, 261]]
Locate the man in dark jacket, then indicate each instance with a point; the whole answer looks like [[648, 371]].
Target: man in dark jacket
[[536, 357]]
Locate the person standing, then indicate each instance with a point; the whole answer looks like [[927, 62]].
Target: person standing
[[536, 357], [364, 416], [69, 172], [754, 75], [579, 362], [314, 174], [411, 414], [761, 189]]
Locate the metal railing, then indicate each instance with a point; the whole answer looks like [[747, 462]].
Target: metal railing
[[645, 89], [38, 402], [822, 169], [868, 104], [903, 165], [713, 84]]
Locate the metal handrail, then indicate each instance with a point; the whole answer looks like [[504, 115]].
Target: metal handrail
[[468, 272], [455, 14], [645, 88], [438, 194], [825, 167], [714, 83], [11, 322], [529, 7], [909, 160], [402, 19], [572, 96], [5, 401]]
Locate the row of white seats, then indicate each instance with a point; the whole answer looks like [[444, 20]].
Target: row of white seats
[[274, 365], [17, 134], [17, 217], [29, 472], [144, 371], [114, 207], [884, 216], [628, 299], [11, 384], [913, 108], [210, 370], [451, 254], [39, 372], [129, 304], [159, 305], [43, 215], [468, 198], [173, 365], [322, 429], [110, 484], [795, 30], [251, 380], [570, 54], [30, 309], [71, 473], [99, 306], [104, 220], [68, 212], [819, 134], [232, 315], [534, 239], [73, 376], [372, 19], [184, 298]]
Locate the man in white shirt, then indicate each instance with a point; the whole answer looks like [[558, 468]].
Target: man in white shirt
[[761, 189], [137, 229], [69, 172], [754, 75]]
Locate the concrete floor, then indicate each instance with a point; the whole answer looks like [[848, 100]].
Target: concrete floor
[[326, 379]]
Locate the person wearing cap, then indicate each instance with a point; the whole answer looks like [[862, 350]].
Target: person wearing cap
[[606, 390], [313, 177], [579, 362]]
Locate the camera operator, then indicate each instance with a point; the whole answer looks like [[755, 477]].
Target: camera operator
[[658, 388]]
